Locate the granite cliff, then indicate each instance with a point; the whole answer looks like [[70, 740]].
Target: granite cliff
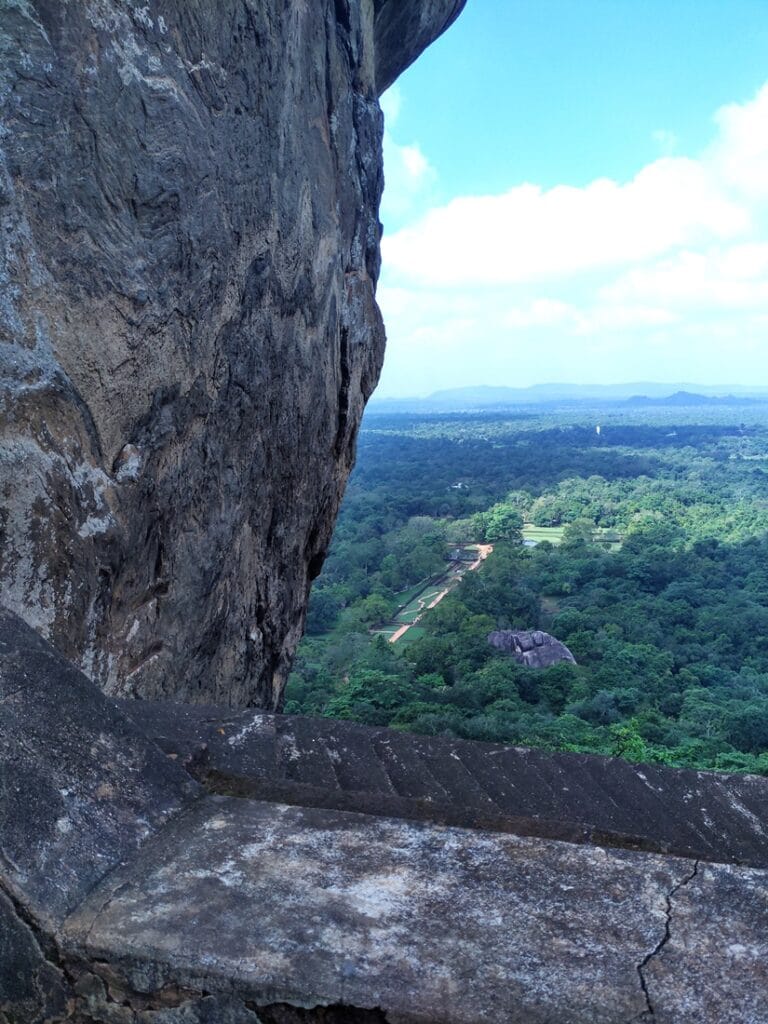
[[188, 328], [188, 333]]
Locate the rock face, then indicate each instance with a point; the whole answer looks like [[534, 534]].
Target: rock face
[[130, 895], [534, 649], [188, 329], [82, 787], [404, 28]]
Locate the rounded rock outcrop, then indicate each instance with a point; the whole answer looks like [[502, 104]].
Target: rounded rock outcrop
[[534, 648]]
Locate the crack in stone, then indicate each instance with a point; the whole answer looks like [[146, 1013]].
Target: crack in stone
[[50, 979], [100, 986], [44, 942], [649, 1010]]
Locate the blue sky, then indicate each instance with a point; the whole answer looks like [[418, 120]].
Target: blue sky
[[579, 191]]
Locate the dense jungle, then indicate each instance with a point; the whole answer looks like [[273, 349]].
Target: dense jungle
[[635, 533]]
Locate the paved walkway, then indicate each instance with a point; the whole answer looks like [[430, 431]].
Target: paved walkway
[[483, 550]]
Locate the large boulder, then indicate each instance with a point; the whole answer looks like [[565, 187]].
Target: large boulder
[[533, 648], [189, 202]]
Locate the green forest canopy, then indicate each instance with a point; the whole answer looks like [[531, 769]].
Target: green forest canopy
[[670, 631]]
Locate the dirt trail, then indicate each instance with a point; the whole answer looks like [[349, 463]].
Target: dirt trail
[[483, 550]]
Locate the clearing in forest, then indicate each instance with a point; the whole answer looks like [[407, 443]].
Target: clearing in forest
[[432, 594]]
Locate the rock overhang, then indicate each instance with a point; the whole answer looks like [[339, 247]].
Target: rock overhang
[[404, 29]]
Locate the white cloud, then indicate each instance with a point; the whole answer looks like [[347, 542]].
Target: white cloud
[[528, 233], [391, 104], [408, 173], [740, 152], [541, 313], [679, 252], [730, 278]]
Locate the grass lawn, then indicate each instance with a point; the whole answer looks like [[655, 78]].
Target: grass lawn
[[413, 634], [385, 631], [406, 596], [429, 595], [420, 599], [408, 615], [554, 534], [415, 607]]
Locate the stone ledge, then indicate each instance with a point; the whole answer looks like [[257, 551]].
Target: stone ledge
[[572, 797], [81, 786], [150, 902], [293, 905]]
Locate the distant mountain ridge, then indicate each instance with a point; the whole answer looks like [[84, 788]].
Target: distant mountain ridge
[[637, 393], [688, 398]]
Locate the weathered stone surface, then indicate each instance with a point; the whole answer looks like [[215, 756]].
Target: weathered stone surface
[[711, 966], [188, 330], [31, 987], [80, 786], [580, 798], [125, 900], [427, 924], [98, 998], [534, 649]]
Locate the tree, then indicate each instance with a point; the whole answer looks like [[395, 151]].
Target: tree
[[579, 532], [503, 523], [374, 609], [628, 743], [324, 608], [500, 522], [746, 727]]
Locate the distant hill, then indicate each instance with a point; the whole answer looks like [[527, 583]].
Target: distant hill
[[687, 398], [491, 397]]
